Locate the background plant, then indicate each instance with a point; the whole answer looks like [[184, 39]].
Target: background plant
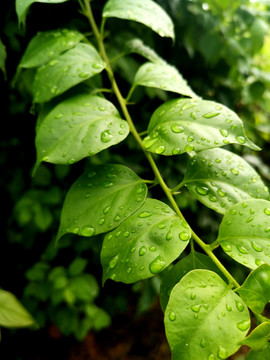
[[227, 84]]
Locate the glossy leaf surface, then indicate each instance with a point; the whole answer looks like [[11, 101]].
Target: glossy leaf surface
[[219, 178], [175, 273], [12, 313], [244, 232], [80, 126], [69, 69], [138, 47], [255, 291], [258, 339], [204, 319], [22, 7], [162, 76], [146, 12], [183, 125], [144, 244], [259, 355], [101, 199], [46, 46]]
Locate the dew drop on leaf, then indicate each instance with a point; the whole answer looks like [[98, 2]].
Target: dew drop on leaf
[[224, 132], [177, 129], [88, 231], [184, 236], [160, 149], [210, 115], [106, 136], [267, 211], [196, 308], [256, 247], [222, 353], [234, 171], [145, 214], [228, 307], [113, 262], [243, 325], [172, 316], [239, 305], [202, 190], [142, 250], [157, 265]]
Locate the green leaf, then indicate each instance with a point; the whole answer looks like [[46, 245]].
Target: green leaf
[[101, 199], [259, 355], [204, 319], [146, 12], [258, 339], [12, 313], [183, 125], [63, 72], [48, 45], [80, 126], [255, 291], [162, 76], [144, 244], [84, 287], [173, 274], [3, 56], [22, 7], [77, 266], [138, 47], [219, 178], [244, 232]]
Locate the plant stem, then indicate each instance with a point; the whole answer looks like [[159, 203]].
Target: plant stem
[[122, 102]]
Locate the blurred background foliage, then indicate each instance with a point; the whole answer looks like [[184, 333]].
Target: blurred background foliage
[[222, 49]]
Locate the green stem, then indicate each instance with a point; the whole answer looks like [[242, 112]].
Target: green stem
[[122, 102]]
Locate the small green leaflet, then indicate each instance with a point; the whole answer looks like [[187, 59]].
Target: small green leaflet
[[144, 244], [46, 46], [146, 12], [12, 313], [255, 291], [204, 319], [163, 76], [22, 7], [183, 125], [68, 69], [138, 47], [80, 126], [259, 355], [101, 199], [219, 178], [258, 339], [244, 232], [175, 273]]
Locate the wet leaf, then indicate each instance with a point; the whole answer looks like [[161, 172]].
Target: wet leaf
[[244, 232], [101, 199], [12, 313], [175, 273], [219, 178], [258, 339], [46, 46], [204, 319], [138, 47], [80, 126], [255, 291], [163, 76], [183, 125], [68, 69], [144, 244]]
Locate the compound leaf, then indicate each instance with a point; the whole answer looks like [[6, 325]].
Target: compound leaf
[[144, 244], [258, 339], [68, 69], [101, 199], [255, 291], [183, 125], [244, 232], [175, 273], [46, 46], [219, 178], [146, 12], [12, 313], [162, 76], [22, 7], [204, 319], [80, 126]]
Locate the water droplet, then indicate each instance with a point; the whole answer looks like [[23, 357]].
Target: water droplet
[[117, 218], [88, 231], [169, 234], [228, 307], [106, 210], [157, 265], [129, 270], [267, 229], [152, 248], [172, 316], [190, 138], [177, 128], [84, 75], [126, 234], [243, 325], [106, 136], [189, 148], [259, 262], [239, 305], [234, 171], [160, 149], [148, 142], [224, 132], [142, 250], [242, 249], [145, 214], [101, 221], [210, 115], [203, 343], [212, 198], [107, 184], [184, 236], [59, 116], [196, 308], [222, 353], [256, 247], [97, 66], [202, 190], [162, 226], [193, 296], [233, 212], [64, 154], [113, 262], [226, 247], [267, 211], [221, 192], [91, 174], [241, 139], [101, 108]]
